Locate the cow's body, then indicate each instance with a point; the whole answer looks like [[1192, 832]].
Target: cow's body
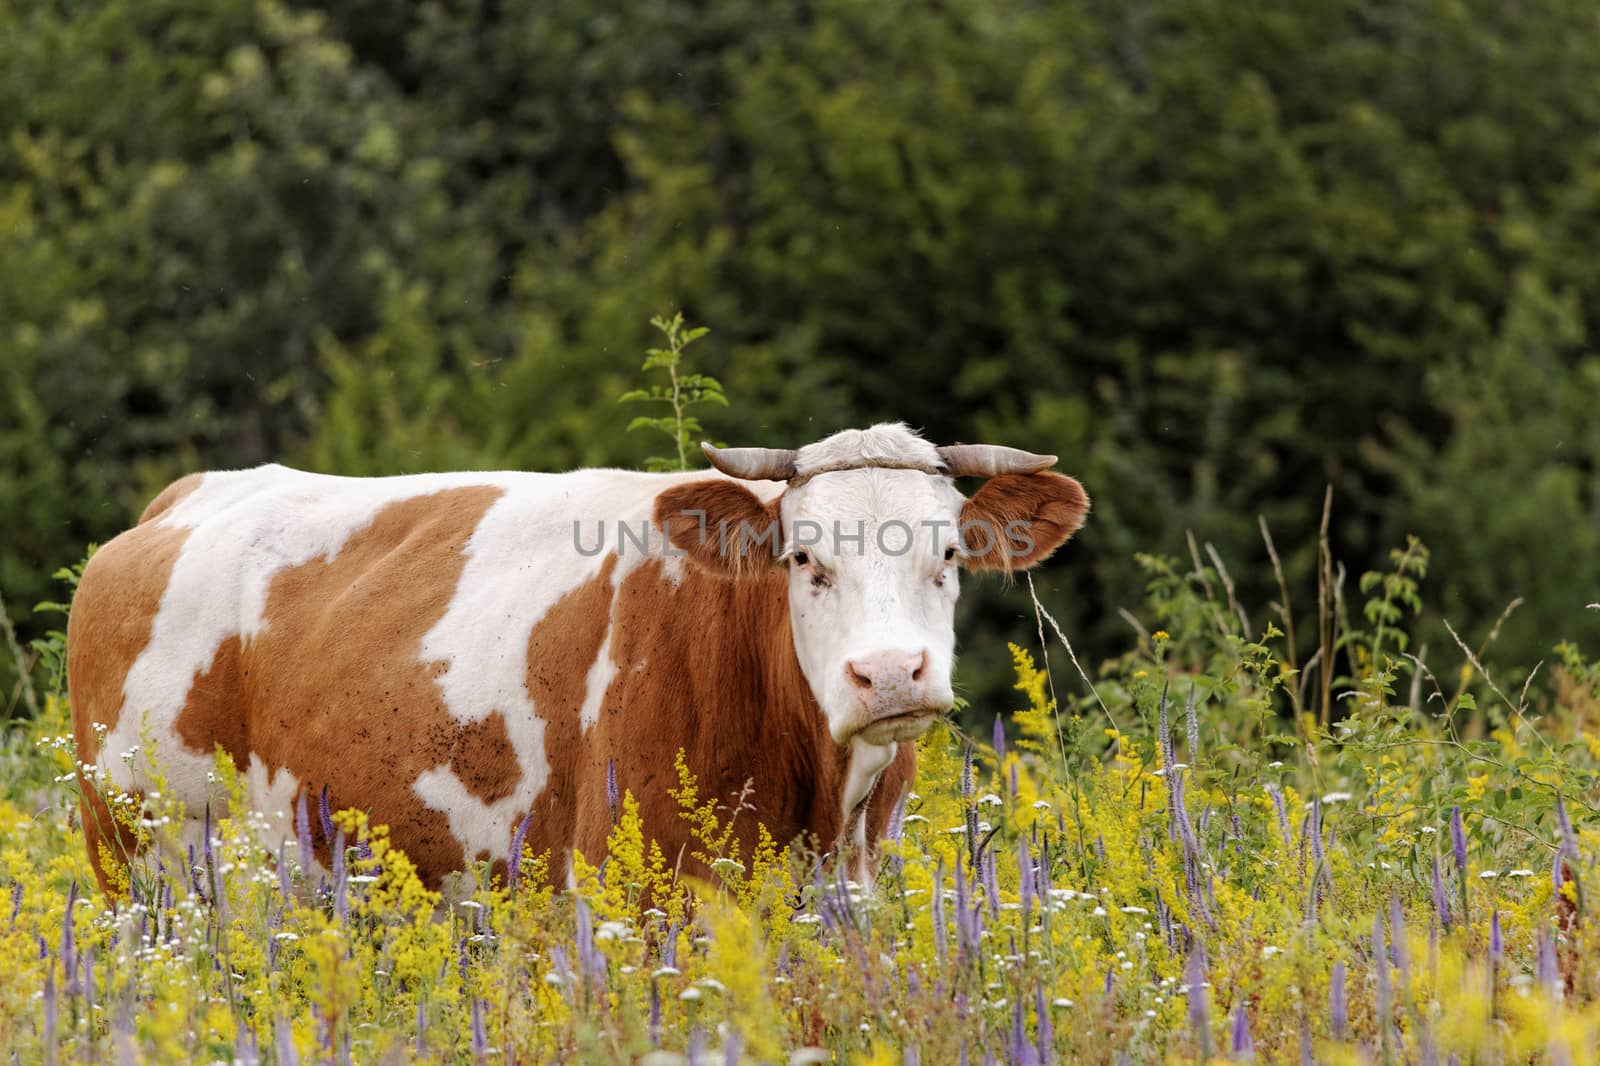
[[449, 653]]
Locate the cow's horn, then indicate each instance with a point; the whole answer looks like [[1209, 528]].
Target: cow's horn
[[752, 464], [987, 460]]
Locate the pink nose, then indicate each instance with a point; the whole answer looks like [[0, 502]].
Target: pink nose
[[890, 682]]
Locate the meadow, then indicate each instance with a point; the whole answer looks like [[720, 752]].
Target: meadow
[[1207, 850]]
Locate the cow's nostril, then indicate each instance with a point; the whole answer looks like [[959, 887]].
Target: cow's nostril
[[858, 677], [922, 664]]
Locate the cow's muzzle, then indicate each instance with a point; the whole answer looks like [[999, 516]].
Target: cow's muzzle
[[899, 699]]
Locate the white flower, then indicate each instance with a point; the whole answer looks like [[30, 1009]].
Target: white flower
[[1487, 874], [1520, 873], [990, 799], [1336, 797], [690, 994]]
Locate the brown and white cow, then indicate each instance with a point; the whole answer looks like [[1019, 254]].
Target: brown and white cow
[[454, 652]]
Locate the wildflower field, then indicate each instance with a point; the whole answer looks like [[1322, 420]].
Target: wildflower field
[[1208, 848]]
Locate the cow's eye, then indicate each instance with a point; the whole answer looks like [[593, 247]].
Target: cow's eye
[[820, 580], [950, 553], [801, 558]]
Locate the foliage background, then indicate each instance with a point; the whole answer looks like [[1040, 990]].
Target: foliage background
[[1217, 256]]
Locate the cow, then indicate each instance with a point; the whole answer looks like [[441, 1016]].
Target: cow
[[461, 654]]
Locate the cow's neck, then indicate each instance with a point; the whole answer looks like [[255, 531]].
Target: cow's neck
[[707, 665]]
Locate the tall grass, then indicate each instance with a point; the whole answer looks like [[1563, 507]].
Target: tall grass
[[1201, 856]]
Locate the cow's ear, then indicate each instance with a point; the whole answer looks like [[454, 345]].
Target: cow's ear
[[1017, 520], [721, 525]]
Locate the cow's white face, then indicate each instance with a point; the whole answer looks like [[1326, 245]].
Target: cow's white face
[[873, 568], [872, 536]]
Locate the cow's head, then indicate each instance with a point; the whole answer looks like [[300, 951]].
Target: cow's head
[[873, 532]]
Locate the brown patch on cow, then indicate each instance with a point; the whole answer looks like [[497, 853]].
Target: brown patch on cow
[[1018, 520], [170, 497], [708, 666], [333, 689], [215, 713], [485, 760]]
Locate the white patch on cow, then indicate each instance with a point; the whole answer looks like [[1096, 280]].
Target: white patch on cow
[[272, 792], [601, 674], [867, 762]]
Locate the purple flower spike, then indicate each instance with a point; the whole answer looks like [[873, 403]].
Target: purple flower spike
[[1199, 1015], [999, 738], [966, 773], [1193, 721], [896, 830], [1568, 843], [1283, 815], [211, 862], [1014, 788], [1164, 731], [1338, 1006], [480, 1038], [50, 1006], [938, 912], [1458, 839], [590, 962], [422, 1027], [16, 902], [1548, 973], [696, 1051], [1241, 1046], [1380, 973], [1441, 899], [1022, 1050], [514, 865], [655, 1014], [1025, 875], [245, 1051], [1047, 1034], [1399, 950], [1497, 945], [325, 812], [341, 901], [732, 1048], [69, 956], [612, 801]]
